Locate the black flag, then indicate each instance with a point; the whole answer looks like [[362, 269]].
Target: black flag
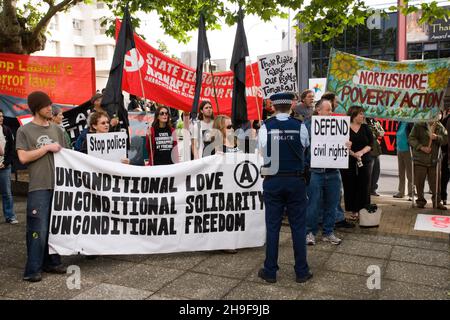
[[112, 100], [202, 55], [240, 51]]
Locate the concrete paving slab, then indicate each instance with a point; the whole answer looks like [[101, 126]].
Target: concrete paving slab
[[181, 261], [236, 265], [341, 284], [421, 256], [371, 238], [199, 286], [367, 249], [105, 291], [158, 296], [145, 277], [101, 268], [259, 291], [51, 287], [413, 243], [418, 274], [396, 290], [13, 255], [353, 264]]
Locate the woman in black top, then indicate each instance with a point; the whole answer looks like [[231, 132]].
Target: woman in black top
[[161, 142], [356, 178]]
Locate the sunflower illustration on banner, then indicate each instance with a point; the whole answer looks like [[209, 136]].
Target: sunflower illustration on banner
[[410, 91]]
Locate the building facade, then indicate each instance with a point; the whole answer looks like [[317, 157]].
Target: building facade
[[78, 33]]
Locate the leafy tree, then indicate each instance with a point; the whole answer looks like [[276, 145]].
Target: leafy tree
[[23, 23]]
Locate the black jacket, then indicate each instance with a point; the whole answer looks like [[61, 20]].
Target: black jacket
[[9, 147]]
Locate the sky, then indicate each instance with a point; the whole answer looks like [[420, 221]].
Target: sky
[[262, 38]]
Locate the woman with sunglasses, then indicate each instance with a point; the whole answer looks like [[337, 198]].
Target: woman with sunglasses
[[224, 138], [163, 148]]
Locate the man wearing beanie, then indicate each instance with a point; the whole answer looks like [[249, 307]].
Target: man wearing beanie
[[283, 141], [36, 142]]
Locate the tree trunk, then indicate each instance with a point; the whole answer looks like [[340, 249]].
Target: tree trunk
[[14, 36]]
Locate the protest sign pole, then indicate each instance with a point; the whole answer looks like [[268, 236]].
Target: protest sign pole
[[140, 75], [214, 86], [253, 80]]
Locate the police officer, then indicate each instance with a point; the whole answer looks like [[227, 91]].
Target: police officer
[[282, 140]]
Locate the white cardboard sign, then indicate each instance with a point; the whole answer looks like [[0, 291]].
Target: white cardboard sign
[[110, 146], [328, 137], [434, 223], [277, 72]]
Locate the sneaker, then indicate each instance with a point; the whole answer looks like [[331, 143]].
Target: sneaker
[[409, 199], [12, 221], [58, 269], [331, 238], [305, 278], [310, 239], [35, 278], [344, 224], [263, 276], [398, 195]]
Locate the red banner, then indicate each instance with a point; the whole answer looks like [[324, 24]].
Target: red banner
[[172, 83], [65, 80]]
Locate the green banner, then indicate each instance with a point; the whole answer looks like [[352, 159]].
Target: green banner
[[410, 91]]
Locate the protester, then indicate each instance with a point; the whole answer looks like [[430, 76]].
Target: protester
[[96, 102], [426, 139], [6, 157], [161, 142], [57, 118], [357, 177], [284, 186], [36, 143], [377, 132], [305, 108], [331, 96], [404, 159], [223, 135], [201, 135], [323, 194], [444, 168]]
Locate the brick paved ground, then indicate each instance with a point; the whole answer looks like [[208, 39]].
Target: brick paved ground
[[414, 265]]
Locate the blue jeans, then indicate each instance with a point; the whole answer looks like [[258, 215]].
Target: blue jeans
[[5, 189], [280, 194], [323, 192], [38, 219]]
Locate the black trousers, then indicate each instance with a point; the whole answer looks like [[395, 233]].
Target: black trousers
[[444, 176], [356, 186]]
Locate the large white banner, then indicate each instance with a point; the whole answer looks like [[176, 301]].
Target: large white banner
[[207, 204], [277, 72], [110, 146], [328, 138]]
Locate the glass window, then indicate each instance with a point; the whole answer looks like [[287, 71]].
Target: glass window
[[415, 55], [101, 52], [414, 47], [444, 45], [78, 50], [444, 54], [430, 55], [77, 26], [99, 29], [430, 46], [315, 69]]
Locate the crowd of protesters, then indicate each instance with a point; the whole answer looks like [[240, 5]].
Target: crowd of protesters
[[420, 149]]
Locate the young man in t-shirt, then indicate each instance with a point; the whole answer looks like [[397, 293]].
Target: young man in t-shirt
[[201, 136], [35, 143]]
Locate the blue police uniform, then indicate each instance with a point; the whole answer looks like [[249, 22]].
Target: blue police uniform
[[284, 188]]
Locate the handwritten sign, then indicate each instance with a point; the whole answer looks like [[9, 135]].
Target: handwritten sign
[[277, 72], [435, 223]]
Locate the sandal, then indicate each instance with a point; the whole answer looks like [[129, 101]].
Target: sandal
[[354, 216]]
